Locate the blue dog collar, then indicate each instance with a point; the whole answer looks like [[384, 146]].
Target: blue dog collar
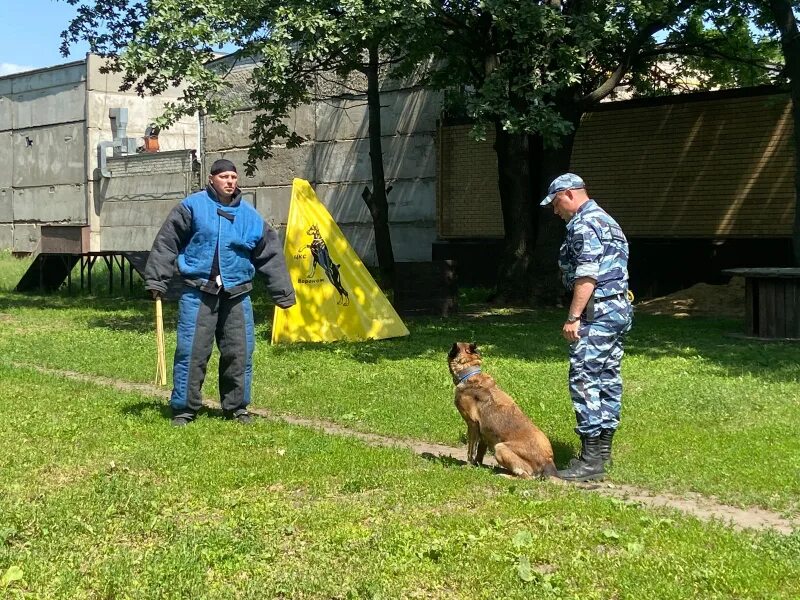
[[468, 375]]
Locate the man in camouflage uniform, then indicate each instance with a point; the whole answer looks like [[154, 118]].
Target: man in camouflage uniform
[[594, 267]]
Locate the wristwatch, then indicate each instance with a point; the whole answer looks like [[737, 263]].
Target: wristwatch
[[572, 318]]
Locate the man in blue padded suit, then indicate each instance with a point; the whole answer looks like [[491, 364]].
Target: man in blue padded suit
[[594, 267], [219, 242]]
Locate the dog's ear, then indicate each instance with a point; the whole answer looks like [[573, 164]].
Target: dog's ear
[[453, 351], [473, 348]]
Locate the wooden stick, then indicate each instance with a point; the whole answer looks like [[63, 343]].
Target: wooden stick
[[161, 366]]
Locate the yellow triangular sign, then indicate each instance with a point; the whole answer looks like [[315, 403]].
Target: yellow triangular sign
[[337, 298]]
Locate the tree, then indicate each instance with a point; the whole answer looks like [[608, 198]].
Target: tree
[[780, 14], [531, 69], [156, 45]]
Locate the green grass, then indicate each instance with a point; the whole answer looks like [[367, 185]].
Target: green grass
[[702, 412], [102, 499], [11, 269]]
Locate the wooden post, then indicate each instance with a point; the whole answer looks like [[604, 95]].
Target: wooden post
[[772, 300], [161, 366]]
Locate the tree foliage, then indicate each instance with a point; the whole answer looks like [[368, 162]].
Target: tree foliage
[[158, 44], [523, 62]]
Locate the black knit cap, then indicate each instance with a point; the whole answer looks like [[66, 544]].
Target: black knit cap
[[221, 165]]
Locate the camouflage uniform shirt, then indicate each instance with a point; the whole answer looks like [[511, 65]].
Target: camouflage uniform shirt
[[595, 247]]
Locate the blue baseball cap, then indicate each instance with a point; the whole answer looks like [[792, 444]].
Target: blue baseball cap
[[567, 181]]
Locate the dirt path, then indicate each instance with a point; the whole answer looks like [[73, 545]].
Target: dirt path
[[695, 505]]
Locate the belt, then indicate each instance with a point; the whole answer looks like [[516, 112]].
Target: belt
[[610, 297], [589, 310]]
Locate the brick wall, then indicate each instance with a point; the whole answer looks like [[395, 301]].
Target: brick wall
[[712, 166], [712, 169], [468, 202]]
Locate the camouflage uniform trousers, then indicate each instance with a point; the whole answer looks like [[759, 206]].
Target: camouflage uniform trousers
[[595, 383]]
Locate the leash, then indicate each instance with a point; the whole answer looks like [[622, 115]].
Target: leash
[[468, 375]]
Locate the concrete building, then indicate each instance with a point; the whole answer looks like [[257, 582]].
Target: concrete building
[[53, 195], [335, 159], [62, 196]]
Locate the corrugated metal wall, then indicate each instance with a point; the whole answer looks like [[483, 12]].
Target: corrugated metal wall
[[335, 158]]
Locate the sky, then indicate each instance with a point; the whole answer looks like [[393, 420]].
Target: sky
[[30, 33]]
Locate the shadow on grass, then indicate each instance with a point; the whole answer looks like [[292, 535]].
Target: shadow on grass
[[163, 409], [448, 462], [146, 407], [527, 335], [658, 337], [141, 321], [136, 324], [434, 337], [562, 453], [10, 300]]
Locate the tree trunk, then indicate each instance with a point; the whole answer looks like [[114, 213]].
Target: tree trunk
[[529, 267], [533, 234], [376, 198], [513, 164], [549, 164], [790, 42]]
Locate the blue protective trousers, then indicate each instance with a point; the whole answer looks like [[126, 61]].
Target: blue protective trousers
[[202, 318]]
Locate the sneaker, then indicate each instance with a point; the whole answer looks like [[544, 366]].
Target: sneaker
[[180, 421]]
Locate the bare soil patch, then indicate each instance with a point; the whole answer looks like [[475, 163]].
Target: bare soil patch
[[696, 505], [702, 299]]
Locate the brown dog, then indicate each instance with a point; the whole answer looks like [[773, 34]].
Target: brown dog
[[494, 420]]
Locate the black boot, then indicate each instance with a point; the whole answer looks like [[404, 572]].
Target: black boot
[[606, 435], [590, 465], [578, 459]]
